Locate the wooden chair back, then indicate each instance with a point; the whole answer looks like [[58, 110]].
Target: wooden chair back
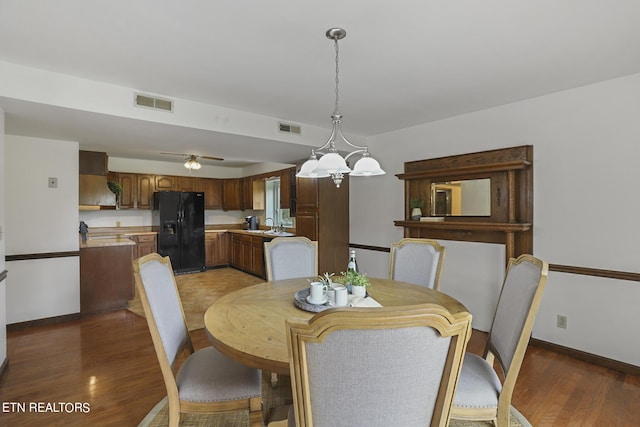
[[377, 366]]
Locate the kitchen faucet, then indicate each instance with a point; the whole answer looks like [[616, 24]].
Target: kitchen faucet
[[272, 222]]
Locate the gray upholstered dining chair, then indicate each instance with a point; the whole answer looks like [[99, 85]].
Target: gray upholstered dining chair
[[481, 395], [290, 257], [206, 381], [417, 261], [390, 366]]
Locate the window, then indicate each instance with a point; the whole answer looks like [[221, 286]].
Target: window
[[272, 208]]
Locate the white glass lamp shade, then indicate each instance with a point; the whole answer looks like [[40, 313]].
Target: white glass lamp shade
[[367, 166], [309, 170], [332, 163], [192, 164]]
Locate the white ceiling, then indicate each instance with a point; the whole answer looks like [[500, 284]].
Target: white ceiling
[[402, 63]]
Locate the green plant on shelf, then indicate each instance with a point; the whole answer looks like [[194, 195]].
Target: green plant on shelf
[[416, 203]]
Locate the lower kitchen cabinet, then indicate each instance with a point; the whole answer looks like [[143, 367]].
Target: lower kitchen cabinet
[[216, 247], [106, 278], [145, 244], [247, 253]]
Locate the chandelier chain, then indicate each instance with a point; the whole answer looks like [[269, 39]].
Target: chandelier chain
[[335, 109]]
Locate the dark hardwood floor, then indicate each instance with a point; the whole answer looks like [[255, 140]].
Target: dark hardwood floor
[[107, 361]]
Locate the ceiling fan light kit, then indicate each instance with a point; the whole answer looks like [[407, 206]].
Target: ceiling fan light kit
[[192, 163], [332, 164]]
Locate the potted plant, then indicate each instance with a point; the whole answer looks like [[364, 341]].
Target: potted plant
[[358, 282], [116, 189], [416, 206]]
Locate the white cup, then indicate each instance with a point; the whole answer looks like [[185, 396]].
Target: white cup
[[331, 296], [317, 292], [340, 296]]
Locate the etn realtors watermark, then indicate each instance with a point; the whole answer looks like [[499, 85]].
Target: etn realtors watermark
[[46, 407]]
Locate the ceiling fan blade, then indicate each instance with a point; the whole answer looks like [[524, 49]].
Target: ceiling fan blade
[[211, 158], [176, 154]]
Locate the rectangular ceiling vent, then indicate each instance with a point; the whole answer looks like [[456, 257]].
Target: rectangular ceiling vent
[[153, 102], [289, 128]]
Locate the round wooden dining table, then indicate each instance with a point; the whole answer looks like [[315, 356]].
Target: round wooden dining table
[[249, 325]]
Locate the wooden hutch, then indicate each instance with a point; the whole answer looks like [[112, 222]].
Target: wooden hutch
[[510, 220]]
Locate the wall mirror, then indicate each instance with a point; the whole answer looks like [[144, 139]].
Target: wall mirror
[[468, 197]]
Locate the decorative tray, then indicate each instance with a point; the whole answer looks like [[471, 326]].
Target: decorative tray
[[300, 301]]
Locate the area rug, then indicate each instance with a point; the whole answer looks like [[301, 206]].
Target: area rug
[[199, 290], [275, 397]]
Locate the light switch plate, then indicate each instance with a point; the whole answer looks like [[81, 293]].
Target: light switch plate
[[53, 182]]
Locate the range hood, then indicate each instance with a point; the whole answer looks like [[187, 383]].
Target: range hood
[[94, 193]]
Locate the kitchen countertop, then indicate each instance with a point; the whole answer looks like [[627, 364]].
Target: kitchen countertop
[[105, 242], [263, 233]]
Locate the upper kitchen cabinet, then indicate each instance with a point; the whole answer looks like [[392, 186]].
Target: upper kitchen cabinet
[[165, 183], [287, 188], [232, 194], [93, 191], [129, 183], [146, 187], [322, 214], [185, 183], [93, 163], [212, 189]]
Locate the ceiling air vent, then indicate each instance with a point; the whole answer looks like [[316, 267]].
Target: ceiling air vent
[[153, 102], [289, 128]]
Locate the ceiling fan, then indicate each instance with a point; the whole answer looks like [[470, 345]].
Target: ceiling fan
[[191, 160]]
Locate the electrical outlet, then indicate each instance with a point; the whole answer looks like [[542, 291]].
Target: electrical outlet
[[53, 182], [562, 321]]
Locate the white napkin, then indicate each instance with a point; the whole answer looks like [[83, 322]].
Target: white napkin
[[363, 302]]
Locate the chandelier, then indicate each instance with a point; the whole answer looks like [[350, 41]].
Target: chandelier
[[331, 163]]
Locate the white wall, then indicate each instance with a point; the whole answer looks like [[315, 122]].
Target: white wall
[[3, 284], [40, 219], [586, 149]]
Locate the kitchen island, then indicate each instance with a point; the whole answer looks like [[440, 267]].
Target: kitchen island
[[106, 274]]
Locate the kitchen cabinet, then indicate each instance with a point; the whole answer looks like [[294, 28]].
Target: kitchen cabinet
[[145, 244], [106, 277], [322, 214], [185, 183], [212, 189], [258, 194], [216, 249], [165, 183], [232, 194], [93, 163], [287, 188], [128, 182], [146, 187], [247, 193], [247, 253]]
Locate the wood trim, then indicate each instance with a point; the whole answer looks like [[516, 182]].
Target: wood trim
[[605, 362], [4, 365], [611, 274], [505, 227], [42, 322], [471, 169], [369, 248], [3, 275], [43, 255]]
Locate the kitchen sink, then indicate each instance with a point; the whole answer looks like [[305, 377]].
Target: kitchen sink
[[279, 233]]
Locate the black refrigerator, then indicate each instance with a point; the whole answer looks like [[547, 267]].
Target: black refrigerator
[[179, 219]]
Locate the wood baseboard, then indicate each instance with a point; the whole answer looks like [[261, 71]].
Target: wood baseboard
[[42, 322], [605, 362]]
